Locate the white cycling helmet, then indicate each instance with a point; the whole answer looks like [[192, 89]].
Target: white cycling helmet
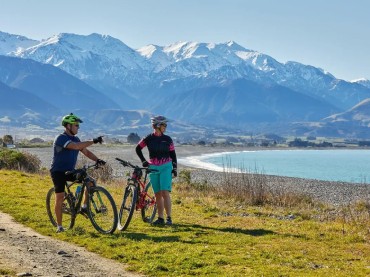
[[158, 120]]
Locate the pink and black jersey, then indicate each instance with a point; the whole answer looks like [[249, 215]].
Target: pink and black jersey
[[161, 149]]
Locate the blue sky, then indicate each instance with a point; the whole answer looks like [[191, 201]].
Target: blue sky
[[331, 34]]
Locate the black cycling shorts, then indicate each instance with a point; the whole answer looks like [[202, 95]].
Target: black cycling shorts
[[60, 180]]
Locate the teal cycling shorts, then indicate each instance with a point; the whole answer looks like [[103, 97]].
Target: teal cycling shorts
[[161, 180]]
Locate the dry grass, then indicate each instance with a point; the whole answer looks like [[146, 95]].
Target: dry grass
[[254, 189], [102, 174], [249, 188]]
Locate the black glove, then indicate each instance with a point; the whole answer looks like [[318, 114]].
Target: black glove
[[145, 164], [100, 162], [174, 172], [98, 140]]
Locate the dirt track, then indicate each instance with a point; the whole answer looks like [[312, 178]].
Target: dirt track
[[32, 254]]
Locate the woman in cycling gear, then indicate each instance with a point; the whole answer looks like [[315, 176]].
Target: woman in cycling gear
[[162, 157], [66, 147]]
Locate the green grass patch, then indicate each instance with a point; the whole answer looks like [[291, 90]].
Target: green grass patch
[[211, 235], [4, 271]]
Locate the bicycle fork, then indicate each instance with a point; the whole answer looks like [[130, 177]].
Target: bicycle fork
[[98, 208]]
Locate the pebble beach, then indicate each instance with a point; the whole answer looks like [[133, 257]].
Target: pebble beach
[[333, 193]]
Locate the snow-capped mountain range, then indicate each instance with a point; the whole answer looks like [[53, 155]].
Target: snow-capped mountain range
[[362, 81], [12, 43], [244, 85]]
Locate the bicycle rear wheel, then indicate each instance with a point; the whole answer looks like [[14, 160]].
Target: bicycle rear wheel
[[127, 207], [68, 214], [150, 209], [102, 210]]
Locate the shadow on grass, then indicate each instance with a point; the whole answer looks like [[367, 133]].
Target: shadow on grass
[[195, 228], [250, 232], [142, 236]]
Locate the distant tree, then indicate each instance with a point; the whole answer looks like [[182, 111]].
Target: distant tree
[[8, 139], [325, 144], [264, 143], [201, 142], [133, 138], [297, 142], [364, 143], [37, 140]]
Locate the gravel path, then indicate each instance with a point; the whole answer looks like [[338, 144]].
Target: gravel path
[[32, 254]]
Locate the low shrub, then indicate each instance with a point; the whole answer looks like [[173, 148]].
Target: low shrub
[[22, 161]]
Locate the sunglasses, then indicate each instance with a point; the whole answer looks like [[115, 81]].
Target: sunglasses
[[163, 124], [77, 125]]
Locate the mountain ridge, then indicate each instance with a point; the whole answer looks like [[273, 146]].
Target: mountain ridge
[[161, 78], [51, 84], [137, 69]]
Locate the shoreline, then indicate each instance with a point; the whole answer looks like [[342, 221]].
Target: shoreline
[[321, 164], [331, 192]]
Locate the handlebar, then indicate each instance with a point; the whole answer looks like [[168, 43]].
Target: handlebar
[[128, 164], [82, 169]]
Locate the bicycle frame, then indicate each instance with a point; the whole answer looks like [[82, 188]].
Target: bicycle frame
[[85, 184], [136, 196], [100, 209], [77, 202], [136, 177]]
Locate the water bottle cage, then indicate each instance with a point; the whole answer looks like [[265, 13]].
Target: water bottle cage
[[71, 198]]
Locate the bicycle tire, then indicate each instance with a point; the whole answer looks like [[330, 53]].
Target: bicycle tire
[[149, 211], [102, 210], [127, 207], [68, 214]]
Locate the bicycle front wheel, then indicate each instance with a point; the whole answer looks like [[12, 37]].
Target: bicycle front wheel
[[102, 210], [150, 205], [68, 215], [127, 207]]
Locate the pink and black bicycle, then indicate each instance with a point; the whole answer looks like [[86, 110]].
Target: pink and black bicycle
[[138, 194]]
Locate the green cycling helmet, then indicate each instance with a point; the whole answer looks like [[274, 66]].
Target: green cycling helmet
[[70, 119]]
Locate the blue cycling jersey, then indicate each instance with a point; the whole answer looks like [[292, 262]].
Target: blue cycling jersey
[[64, 159]]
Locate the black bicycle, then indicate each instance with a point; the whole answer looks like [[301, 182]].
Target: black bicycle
[[137, 195], [101, 208]]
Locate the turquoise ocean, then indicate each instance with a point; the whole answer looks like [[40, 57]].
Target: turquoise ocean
[[329, 165]]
